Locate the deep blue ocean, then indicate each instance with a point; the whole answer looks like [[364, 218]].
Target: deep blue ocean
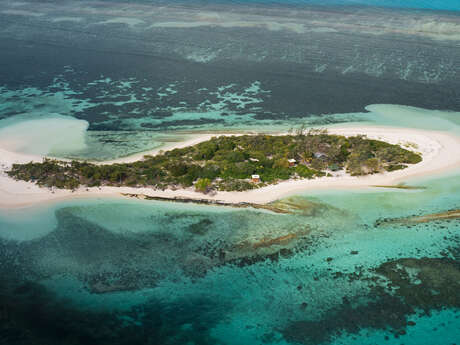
[[444, 5]]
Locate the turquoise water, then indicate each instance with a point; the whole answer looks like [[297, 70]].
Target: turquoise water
[[194, 274], [182, 273], [344, 267], [109, 144], [157, 262], [128, 115], [136, 118]]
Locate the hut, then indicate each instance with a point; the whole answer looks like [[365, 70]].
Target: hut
[[320, 155], [292, 162], [255, 178]]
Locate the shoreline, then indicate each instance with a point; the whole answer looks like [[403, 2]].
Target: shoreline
[[439, 151]]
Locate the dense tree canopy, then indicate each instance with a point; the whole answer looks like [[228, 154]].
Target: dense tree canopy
[[227, 163]]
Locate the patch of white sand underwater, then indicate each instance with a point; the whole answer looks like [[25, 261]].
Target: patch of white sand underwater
[[27, 224], [55, 135], [413, 117]]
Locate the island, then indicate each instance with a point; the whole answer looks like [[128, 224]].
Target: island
[[229, 163]]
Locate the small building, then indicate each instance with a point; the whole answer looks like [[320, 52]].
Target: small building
[[253, 159], [320, 155], [292, 162], [255, 178]]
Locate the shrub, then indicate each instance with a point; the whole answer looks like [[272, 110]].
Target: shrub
[[186, 180], [412, 158], [304, 171], [210, 171], [334, 167], [373, 165], [281, 163], [203, 185], [393, 167], [235, 156], [177, 169], [205, 151], [231, 185]]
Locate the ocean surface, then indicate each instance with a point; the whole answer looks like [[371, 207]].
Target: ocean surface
[[109, 79]]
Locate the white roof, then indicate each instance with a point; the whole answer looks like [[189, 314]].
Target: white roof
[[291, 160], [255, 176]]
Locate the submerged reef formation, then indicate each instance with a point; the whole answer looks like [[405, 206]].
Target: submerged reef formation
[[233, 163], [191, 249], [400, 186], [426, 283], [31, 314], [398, 289], [290, 205], [178, 244], [413, 220]]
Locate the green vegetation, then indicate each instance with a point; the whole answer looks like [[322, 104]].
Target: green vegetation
[[203, 185], [227, 163]]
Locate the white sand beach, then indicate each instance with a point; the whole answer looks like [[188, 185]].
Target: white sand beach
[[440, 151]]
